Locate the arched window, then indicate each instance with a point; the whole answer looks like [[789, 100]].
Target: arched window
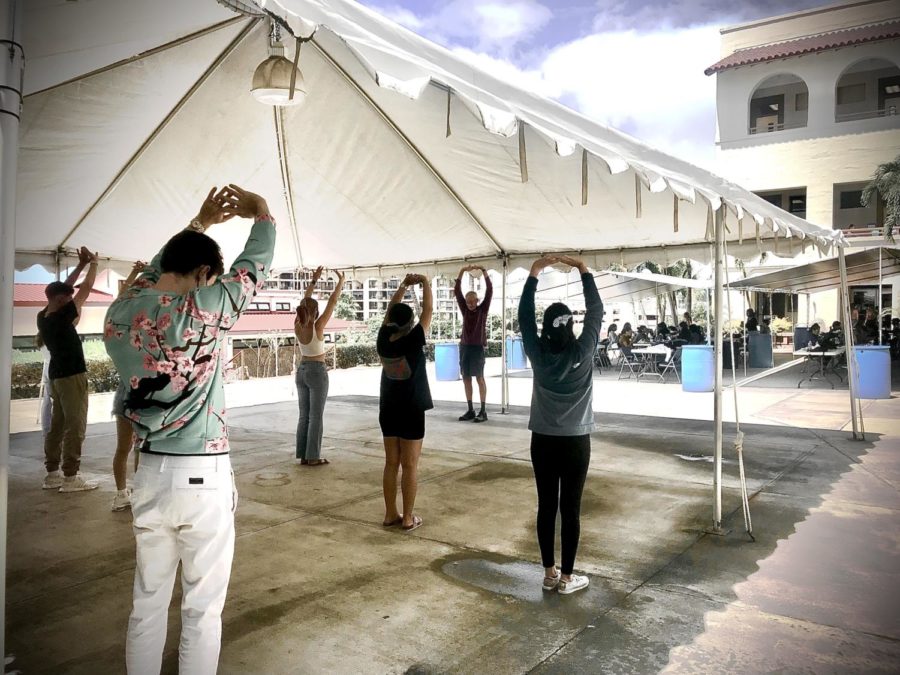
[[868, 88], [779, 102]]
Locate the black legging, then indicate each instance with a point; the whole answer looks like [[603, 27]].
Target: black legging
[[560, 467]]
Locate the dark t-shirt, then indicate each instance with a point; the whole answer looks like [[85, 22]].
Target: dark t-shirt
[[57, 330], [404, 382]]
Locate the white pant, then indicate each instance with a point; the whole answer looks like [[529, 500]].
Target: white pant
[[183, 509]]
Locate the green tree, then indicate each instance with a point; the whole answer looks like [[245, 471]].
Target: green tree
[[345, 308], [886, 184]]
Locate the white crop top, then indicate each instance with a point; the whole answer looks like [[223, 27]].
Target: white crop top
[[315, 347]]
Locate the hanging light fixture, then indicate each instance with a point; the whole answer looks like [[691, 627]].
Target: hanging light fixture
[[276, 80]]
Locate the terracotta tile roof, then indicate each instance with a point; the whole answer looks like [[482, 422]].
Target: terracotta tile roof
[[252, 323], [32, 295], [808, 45]]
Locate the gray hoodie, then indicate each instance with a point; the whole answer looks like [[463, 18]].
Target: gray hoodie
[[562, 394]]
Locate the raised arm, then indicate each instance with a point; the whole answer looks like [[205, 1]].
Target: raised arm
[[488, 289], [136, 269], [311, 286], [427, 303], [232, 292], [457, 289], [408, 281], [214, 210], [325, 316], [593, 318], [87, 284], [527, 322], [84, 259]]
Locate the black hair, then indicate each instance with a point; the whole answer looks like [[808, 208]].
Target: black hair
[[815, 327], [557, 339], [55, 288], [188, 250], [400, 314], [612, 326]]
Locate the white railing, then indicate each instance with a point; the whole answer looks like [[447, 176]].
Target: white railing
[[866, 114], [774, 126]]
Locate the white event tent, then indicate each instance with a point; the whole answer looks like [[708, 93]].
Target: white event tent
[[403, 153]]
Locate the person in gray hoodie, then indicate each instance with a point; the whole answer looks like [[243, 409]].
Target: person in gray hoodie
[[562, 417]]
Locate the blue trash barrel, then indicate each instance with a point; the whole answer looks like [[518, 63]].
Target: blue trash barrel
[[801, 337], [515, 354], [874, 363], [446, 361], [697, 368], [760, 345]]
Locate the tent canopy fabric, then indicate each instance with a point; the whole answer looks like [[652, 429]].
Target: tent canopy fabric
[[824, 275], [403, 154]]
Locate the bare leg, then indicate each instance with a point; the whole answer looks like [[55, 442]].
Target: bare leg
[[467, 383], [124, 434], [482, 388], [409, 481], [389, 480]]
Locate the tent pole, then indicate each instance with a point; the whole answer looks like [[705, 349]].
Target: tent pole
[[848, 341], [744, 332], [717, 391], [880, 292], [11, 77], [504, 378]]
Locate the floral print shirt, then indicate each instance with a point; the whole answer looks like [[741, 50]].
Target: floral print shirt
[[167, 350]]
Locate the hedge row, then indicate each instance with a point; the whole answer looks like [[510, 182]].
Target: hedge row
[[26, 378], [102, 376]]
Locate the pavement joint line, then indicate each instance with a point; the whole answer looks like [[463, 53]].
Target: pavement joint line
[[837, 500]]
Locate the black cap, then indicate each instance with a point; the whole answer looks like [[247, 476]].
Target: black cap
[[58, 288]]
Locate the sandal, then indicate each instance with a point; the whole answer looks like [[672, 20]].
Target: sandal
[[392, 523], [317, 462], [417, 522]]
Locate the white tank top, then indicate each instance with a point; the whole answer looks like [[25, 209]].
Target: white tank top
[[315, 347]]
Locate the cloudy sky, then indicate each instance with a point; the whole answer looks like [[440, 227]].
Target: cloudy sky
[[636, 65]]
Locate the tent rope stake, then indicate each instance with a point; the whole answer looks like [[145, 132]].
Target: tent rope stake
[[162, 126]]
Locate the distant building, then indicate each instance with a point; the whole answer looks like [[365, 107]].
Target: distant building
[[29, 299], [808, 105]]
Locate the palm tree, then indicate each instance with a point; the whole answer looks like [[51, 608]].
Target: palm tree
[[886, 184]]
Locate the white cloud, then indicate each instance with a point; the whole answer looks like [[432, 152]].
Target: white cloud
[[494, 26]]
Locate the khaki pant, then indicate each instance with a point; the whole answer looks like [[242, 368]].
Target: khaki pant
[[67, 424]]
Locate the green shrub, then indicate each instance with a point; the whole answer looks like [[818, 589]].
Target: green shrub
[[26, 378]]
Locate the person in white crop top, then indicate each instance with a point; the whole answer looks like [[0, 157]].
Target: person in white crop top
[[312, 375]]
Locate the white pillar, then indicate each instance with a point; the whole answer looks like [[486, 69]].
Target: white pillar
[[11, 71]]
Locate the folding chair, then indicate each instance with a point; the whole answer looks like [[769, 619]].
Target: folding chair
[[631, 363], [670, 365], [601, 357]]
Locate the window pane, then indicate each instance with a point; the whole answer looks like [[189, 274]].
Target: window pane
[[851, 199], [851, 93]]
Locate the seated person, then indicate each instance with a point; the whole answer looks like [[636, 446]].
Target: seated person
[[695, 335], [643, 335], [684, 331], [815, 331], [612, 334], [662, 331], [626, 337], [870, 327]]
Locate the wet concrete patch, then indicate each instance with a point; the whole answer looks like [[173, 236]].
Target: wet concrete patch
[[522, 580]]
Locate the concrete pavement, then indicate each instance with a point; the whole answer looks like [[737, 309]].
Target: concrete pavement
[[319, 586]]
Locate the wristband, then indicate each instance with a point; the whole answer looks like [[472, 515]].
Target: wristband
[[196, 225], [265, 216]]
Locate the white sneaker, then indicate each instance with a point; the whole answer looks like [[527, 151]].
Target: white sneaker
[[77, 484], [550, 583], [576, 583], [122, 500], [52, 481]]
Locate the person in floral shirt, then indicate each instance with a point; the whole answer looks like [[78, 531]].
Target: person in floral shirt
[[164, 335]]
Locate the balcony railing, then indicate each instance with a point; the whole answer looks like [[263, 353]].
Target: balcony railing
[[774, 126], [865, 232], [890, 111]]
